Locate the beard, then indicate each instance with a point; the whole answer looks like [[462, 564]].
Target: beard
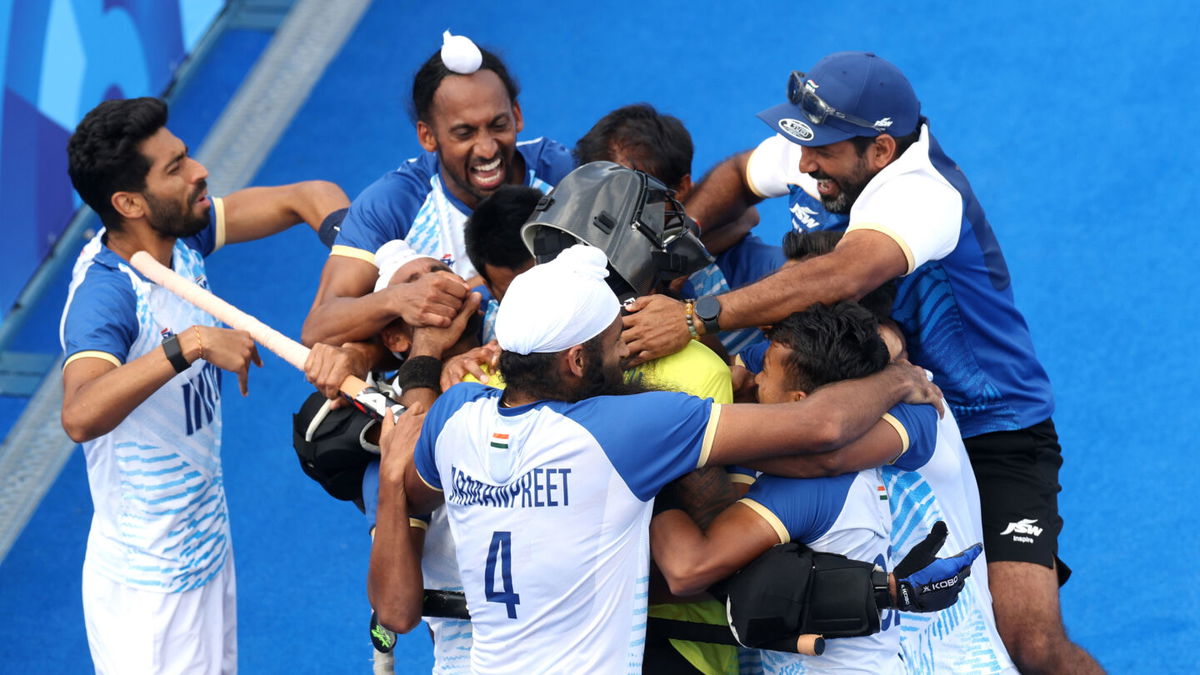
[[849, 188], [167, 219]]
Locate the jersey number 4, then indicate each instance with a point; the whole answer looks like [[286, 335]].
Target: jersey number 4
[[501, 550]]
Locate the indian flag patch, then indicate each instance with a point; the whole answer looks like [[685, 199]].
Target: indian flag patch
[[882, 492], [500, 441]]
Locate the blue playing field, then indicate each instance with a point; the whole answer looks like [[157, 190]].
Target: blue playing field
[[1072, 119]]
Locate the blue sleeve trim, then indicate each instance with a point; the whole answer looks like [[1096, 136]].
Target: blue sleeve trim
[[101, 314], [442, 410], [386, 209], [807, 507], [920, 421], [651, 438]]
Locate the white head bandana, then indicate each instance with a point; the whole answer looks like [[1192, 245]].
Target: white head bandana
[[557, 305], [459, 54], [391, 257]]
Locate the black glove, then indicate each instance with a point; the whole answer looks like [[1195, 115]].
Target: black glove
[[927, 583], [383, 639]]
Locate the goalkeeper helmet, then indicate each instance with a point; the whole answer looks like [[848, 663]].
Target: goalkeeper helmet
[[629, 215]]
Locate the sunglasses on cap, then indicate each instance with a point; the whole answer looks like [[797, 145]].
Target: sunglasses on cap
[[802, 92]]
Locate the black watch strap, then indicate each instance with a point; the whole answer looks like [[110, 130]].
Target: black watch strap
[[708, 310], [175, 354]]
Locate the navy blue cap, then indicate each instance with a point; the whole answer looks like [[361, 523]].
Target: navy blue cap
[[856, 83]]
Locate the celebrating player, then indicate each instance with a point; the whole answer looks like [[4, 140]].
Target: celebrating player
[[854, 153], [548, 484], [141, 389], [467, 118]]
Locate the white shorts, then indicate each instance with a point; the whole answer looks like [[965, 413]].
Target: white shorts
[[132, 631]]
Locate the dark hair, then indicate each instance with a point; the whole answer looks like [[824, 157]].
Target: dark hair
[[828, 344], [537, 374], [103, 156], [861, 143], [431, 73], [493, 231], [659, 144], [799, 245]]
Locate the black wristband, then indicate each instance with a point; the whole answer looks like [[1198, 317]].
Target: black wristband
[[175, 354], [419, 372]]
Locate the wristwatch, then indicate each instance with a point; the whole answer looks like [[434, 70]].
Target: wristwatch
[[708, 310]]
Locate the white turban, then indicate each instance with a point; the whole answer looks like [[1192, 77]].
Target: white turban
[[459, 54], [391, 257], [557, 305]]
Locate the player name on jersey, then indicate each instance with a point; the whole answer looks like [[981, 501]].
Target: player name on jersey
[[538, 488]]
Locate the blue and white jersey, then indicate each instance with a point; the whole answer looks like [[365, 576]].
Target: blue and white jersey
[[846, 514], [955, 303], [933, 481], [550, 506], [160, 520], [412, 204]]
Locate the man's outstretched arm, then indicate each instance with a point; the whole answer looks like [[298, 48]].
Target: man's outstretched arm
[[830, 418], [862, 261], [257, 212]]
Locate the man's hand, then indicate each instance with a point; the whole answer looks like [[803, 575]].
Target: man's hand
[[228, 349], [471, 363], [921, 389], [927, 583], [327, 366], [397, 441], [745, 385], [655, 327], [432, 300], [434, 341]]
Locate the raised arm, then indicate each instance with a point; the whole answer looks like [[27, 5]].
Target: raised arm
[[723, 196], [257, 212], [831, 417]]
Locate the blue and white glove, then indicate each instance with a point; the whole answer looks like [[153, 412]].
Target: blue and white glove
[[927, 583]]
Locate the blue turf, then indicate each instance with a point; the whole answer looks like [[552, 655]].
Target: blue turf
[[1070, 118]]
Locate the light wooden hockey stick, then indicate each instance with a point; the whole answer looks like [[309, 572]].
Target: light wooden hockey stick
[[366, 398]]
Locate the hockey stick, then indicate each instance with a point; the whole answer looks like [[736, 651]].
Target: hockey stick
[[364, 397], [453, 605]]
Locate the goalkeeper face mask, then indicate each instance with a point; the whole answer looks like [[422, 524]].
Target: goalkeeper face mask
[[631, 216]]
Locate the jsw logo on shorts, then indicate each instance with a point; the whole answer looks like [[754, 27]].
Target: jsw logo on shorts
[[1022, 527]]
